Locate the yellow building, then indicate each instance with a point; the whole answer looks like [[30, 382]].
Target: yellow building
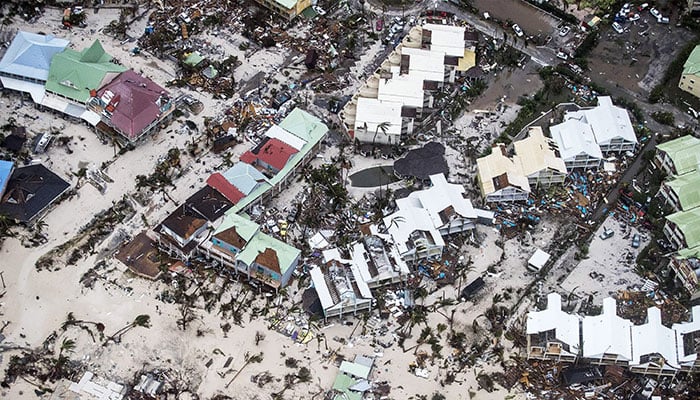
[[690, 79]]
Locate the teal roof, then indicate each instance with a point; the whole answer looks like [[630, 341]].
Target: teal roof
[[355, 369], [306, 127], [683, 151], [244, 227], [6, 168], [692, 64], [342, 384], [286, 254], [244, 177], [687, 188], [689, 223], [193, 58], [689, 253], [74, 73]]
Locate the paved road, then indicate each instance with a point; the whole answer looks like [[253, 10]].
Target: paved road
[[543, 56]]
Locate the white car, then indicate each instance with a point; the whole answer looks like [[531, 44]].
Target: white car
[[626, 9], [655, 13], [319, 10], [618, 28], [662, 20], [634, 17], [564, 31], [562, 55], [518, 31]]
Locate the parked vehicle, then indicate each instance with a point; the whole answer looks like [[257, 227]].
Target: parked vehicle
[[635, 240], [634, 17], [379, 25], [564, 31], [562, 55], [655, 13], [607, 233], [663, 20], [643, 7], [518, 31], [617, 27]]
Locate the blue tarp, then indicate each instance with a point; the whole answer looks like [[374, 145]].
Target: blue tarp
[[5, 173]]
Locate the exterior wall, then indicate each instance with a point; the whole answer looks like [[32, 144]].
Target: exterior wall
[[220, 243], [609, 359], [582, 161], [684, 274], [456, 226], [553, 350], [352, 306], [286, 13], [674, 235], [507, 194], [23, 78], [546, 178], [662, 160], [368, 136], [617, 145], [690, 83], [670, 197]]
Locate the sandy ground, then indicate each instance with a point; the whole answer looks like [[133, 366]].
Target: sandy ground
[[36, 305]]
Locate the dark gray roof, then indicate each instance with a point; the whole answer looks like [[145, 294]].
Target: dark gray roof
[[423, 162], [209, 203], [30, 190]]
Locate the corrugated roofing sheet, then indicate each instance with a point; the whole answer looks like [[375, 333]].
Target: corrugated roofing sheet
[[30, 55]]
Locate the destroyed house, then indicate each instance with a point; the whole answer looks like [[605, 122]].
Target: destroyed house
[[654, 347], [132, 105], [682, 192], [377, 263], [73, 74], [685, 267], [413, 232], [500, 178], [678, 156], [286, 9], [25, 65], [341, 289], [688, 342], [181, 231], [29, 191], [209, 203], [607, 337], [682, 229], [552, 334]]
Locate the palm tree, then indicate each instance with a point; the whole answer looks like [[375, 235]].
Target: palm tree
[[143, 320], [255, 358], [382, 126]]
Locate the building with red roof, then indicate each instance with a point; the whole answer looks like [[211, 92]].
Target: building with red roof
[[132, 105], [223, 186], [270, 156]]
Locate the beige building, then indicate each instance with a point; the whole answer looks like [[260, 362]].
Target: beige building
[[287, 9], [690, 78]]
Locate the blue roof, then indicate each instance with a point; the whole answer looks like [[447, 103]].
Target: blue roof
[[244, 177], [5, 173], [30, 55]]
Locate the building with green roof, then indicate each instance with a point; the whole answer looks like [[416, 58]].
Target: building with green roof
[[287, 9], [238, 244], [690, 78], [682, 228], [682, 192], [301, 125], [342, 386], [74, 74], [678, 156]]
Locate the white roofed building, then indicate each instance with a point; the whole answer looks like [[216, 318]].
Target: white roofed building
[[610, 124], [552, 334], [576, 144], [378, 122], [607, 338], [341, 289], [427, 65], [688, 342], [378, 263], [654, 347]]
